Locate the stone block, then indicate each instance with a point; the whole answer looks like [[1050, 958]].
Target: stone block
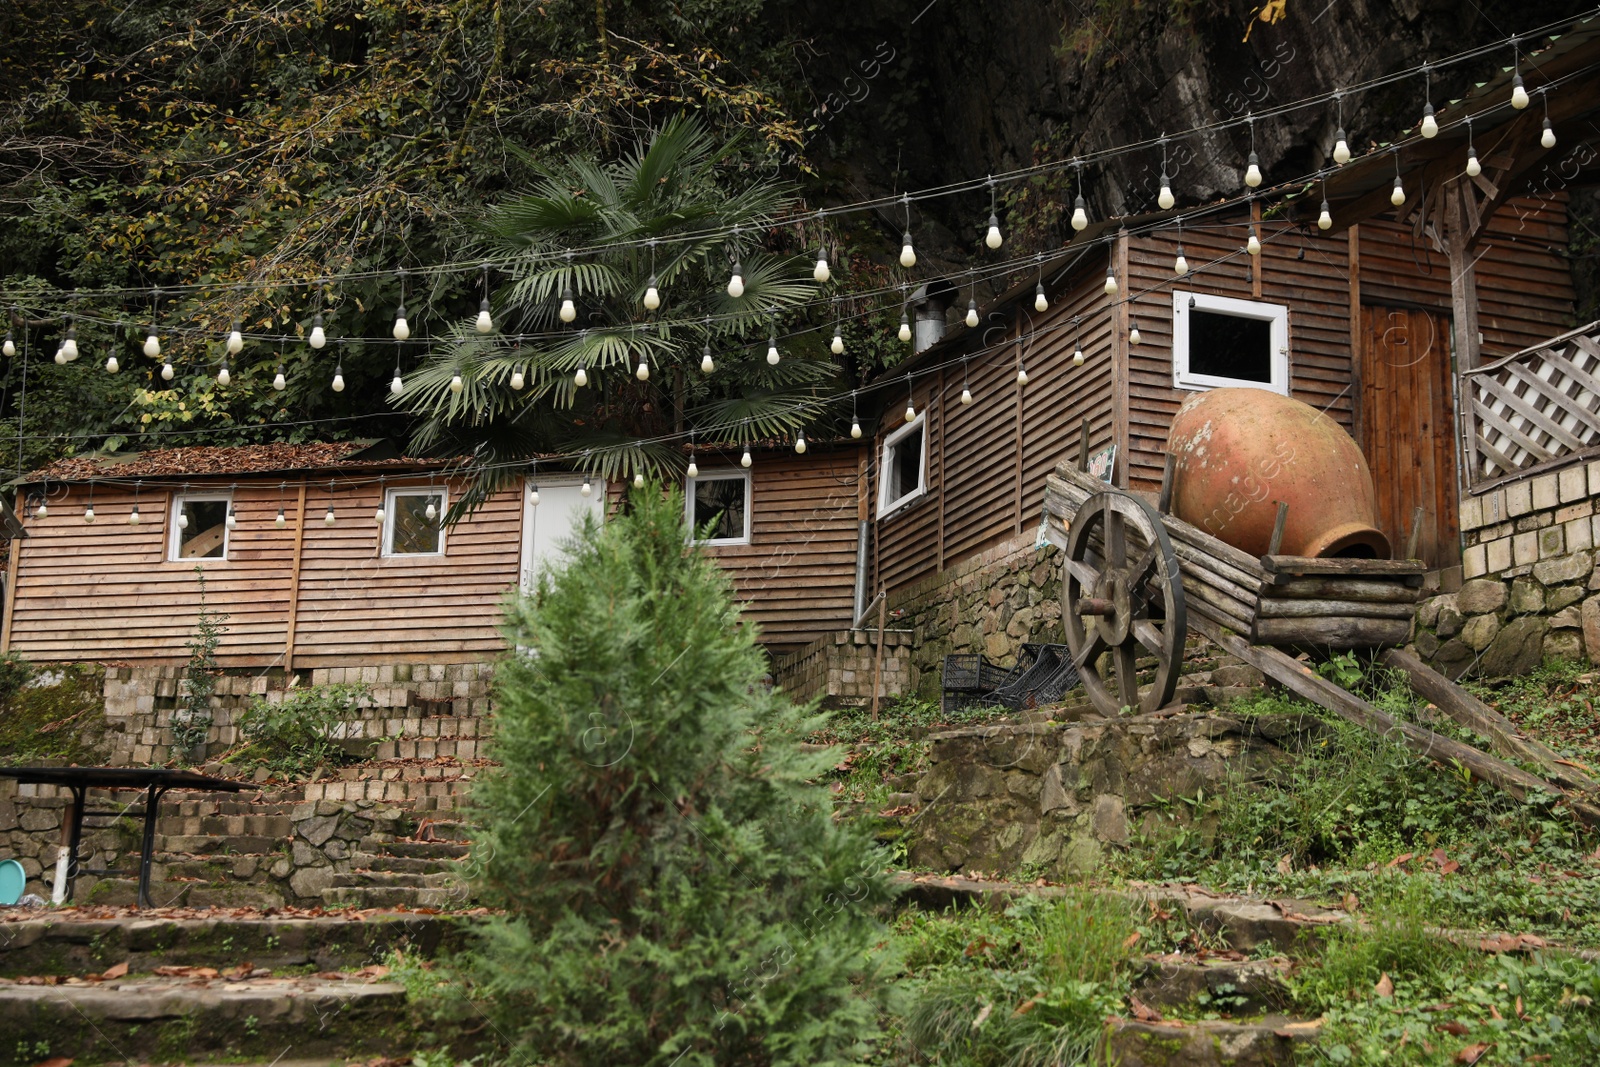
[[1482, 596], [1499, 555], [1519, 499], [1546, 491], [1517, 649], [1579, 534], [1527, 597], [1110, 819], [1552, 542], [1561, 596], [1569, 568], [1591, 628], [1573, 484], [1569, 618], [1563, 644], [1493, 506], [1474, 561], [1525, 549], [1480, 631], [1471, 513]]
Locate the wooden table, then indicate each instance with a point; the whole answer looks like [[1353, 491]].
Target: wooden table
[[154, 781]]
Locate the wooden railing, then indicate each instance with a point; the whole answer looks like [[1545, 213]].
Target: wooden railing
[[1534, 409]]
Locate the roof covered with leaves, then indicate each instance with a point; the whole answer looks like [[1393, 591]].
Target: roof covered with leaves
[[233, 460]]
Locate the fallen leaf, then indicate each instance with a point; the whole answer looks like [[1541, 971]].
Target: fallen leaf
[[1285, 864], [1404, 857], [1472, 1053], [1520, 1013], [1495, 1012], [1453, 1028], [55, 1061], [1131, 940], [1026, 1006], [1385, 986], [114, 972], [1450, 868], [1142, 1011], [1302, 1026], [983, 1016]]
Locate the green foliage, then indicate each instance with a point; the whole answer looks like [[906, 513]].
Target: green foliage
[[301, 732], [191, 720], [15, 672], [657, 837], [60, 722]]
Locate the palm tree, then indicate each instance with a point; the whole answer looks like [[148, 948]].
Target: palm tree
[[659, 212]]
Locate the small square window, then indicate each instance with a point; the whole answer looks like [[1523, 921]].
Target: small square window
[[722, 499], [903, 467], [199, 527], [1217, 341], [413, 523]]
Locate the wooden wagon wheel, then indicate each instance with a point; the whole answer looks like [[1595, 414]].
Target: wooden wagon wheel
[[1121, 593]]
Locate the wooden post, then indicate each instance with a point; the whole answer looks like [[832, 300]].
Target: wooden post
[[1121, 362], [1083, 446], [1169, 476], [11, 580], [1255, 275], [1277, 528], [1353, 258], [294, 579], [1416, 533], [877, 660]]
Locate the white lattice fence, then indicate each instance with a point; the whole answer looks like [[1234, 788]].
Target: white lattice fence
[[1536, 407]]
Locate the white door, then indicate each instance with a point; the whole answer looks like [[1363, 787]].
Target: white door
[[547, 524]]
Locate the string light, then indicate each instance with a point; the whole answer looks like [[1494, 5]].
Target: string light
[[855, 418], [652, 293], [133, 516], [800, 442], [223, 377], [908, 255], [231, 520], [1180, 265], [1341, 147], [517, 380], [736, 281], [280, 522], [183, 513], [279, 382], [152, 343], [772, 342], [992, 238], [112, 366], [1080, 213], [1398, 196], [638, 480], [588, 487], [911, 402], [836, 346], [905, 326], [707, 364], [694, 468], [69, 343], [166, 370], [327, 520], [88, 512], [398, 385], [1548, 137], [456, 384], [820, 273], [402, 329], [581, 378], [1077, 353], [1430, 127], [235, 343], [1252, 173], [1325, 219], [1253, 244], [1133, 331], [1111, 282], [10, 345], [972, 302], [484, 323], [643, 372], [1165, 198], [338, 370], [43, 510], [1519, 95], [377, 516], [319, 336], [1041, 303], [569, 307], [744, 460]]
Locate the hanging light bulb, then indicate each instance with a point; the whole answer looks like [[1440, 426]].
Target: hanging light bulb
[[338, 378], [1252, 173], [88, 513], [800, 442], [183, 520], [1519, 95], [152, 345], [166, 371], [42, 511], [1077, 357], [1180, 265], [10, 345], [327, 520], [1397, 197], [772, 349], [1133, 333], [133, 516], [1080, 215], [966, 396], [588, 488], [281, 521], [223, 377], [569, 309], [1474, 168], [694, 468], [1022, 375], [1253, 245], [744, 460], [1341, 149], [908, 255], [855, 428], [643, 373], [279, 382], [319, 336], [533, 496], [1548, 137], [638, 480], [905, 326], [707, 364], [517, 380], [820, 272], [911, 411], [235, 341], [1040, 301], [1325, 220], [402, 329], [581, 378], [972, 313], [652, 295], [431, 512], [377, 516], [1111, 282], [112, 366], [1430, 127], [485, 321], [397, 386], [61, 356], [69, 345], [1166, 199], [456, 384], [232, 521], [736, 281], [992, 238], [836, 346]]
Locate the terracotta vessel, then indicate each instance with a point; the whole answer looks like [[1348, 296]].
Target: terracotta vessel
[[1240, 451]]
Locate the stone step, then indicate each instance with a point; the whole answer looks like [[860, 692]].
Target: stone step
[[1269, 1042], [257, 825], [1232, 987], [219, 844], [393, 879], [64, 942], [393, 896], [124, 892], [366, 861], [413, 849], [184, 1017], [278, 802]]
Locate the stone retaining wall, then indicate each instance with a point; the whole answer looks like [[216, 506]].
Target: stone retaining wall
[[838, 667]]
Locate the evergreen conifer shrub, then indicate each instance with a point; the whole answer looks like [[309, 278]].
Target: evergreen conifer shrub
[[676, 890]]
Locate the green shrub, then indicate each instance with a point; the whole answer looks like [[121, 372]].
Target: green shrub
[[63, 722], [15, 672], [675, 888], [294, 736]]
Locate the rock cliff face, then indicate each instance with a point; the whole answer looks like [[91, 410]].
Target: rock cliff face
[[922, 94]]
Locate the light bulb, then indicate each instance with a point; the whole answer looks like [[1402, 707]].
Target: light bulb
[[1040, 302], [1548, 137], [707, 364], [152, 345], [837, 345], [569, 310], [1022, 375], [318, 337], [232, 521], [694, 468], [1166, 199], [402, 329], [993, 238], [966, 395], [652, 295], [772, 351], [1133, 334], [855, 429], [1111, 283], [517, 381], [1180, 265], [327, 520], [223, 377], [1474, 168], [905, 328], [1077, 358], [42, 512], [1519, 95], [736, 283], [1341, 149], [1252, 173], [338, 380], [456, 384], [908, 255], [69, 346], [1080, 216], [396, 386], [972, 313], [377, 516], [800, 443], [235, 342], [1324, 220], [183, 520], [588, 488], [533, 496], [280, 522], [1430, 127], [485, 321], [431, 512], [643, 373], [1397, 197], [820, 272], [88, 513], [61, 356], [911, 411], [638, 481], [166, 372], [581, 378], [133, 516], [744, 460], [112, 366], [10, 346], [1253, 245], [279, 382]]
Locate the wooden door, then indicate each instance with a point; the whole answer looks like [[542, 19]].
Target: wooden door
[[547, 524], [1408, 428]]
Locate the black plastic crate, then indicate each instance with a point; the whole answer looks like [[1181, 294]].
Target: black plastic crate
[[971, 673]]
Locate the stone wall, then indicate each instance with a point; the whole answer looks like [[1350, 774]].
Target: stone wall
[[838, 667], [1532, 591], [989, 603]]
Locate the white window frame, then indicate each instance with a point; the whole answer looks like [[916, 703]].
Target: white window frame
[[887, 507], [717, 476], [1276, 314], [389, 498], [175, 535]]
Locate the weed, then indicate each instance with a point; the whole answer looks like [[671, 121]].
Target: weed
[[191, 721], [301, 732]]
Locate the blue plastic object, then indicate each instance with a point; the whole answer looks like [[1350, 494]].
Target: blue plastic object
[[13, 880]]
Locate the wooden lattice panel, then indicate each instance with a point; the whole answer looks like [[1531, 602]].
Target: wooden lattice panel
[[1537, 406]]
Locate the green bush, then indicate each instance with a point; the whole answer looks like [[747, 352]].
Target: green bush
[[675, 888], [63, 722], [15, 672], [294, 736]]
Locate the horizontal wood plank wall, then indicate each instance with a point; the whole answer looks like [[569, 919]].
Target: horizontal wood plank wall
[[797, 575], [1525, 292], [1313, 285], [106, 592], [906, 544]]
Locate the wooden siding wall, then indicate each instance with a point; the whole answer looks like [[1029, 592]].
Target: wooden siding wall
[[987, 461], [797, 575], [106, 591], [1313, 287], [1525, 292]]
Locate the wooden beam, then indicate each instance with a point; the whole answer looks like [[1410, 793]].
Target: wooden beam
[[943, 444], [12, 569], [294, 578], [1463, 283], [1120, 355]]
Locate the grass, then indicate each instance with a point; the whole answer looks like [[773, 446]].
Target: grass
[[61, 722]]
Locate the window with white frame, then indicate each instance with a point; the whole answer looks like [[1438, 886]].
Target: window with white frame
[[199, 526], [717, 505], [413, 522], [1219, 340], [903, 466]]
